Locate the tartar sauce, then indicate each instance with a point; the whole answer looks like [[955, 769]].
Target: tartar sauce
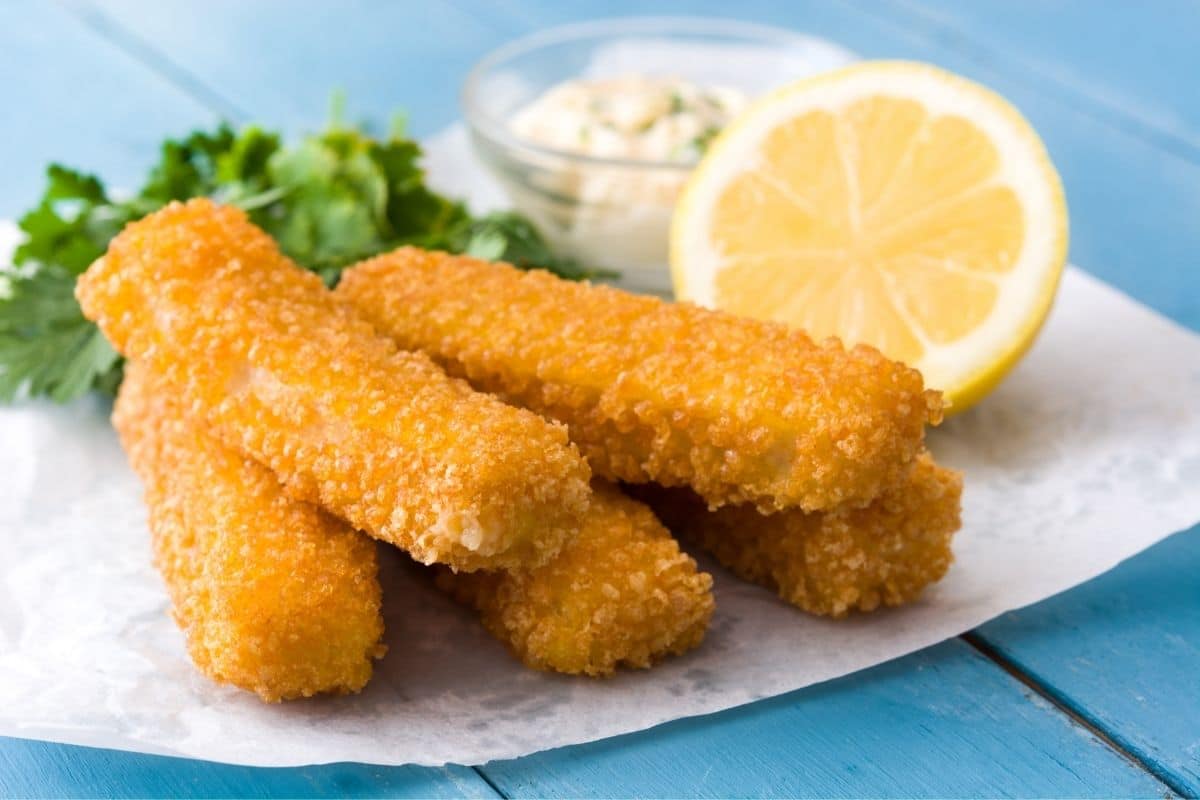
[[618, 215], [633, 117]]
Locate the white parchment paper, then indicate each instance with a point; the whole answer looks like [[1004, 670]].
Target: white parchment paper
[[1087, 454]]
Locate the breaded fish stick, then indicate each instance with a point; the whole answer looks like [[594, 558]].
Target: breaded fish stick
[[289, 376], [738, 410], [620, 594], [274, 596], [836, 562]]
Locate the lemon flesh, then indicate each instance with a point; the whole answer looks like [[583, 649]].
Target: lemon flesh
[[891, 204]]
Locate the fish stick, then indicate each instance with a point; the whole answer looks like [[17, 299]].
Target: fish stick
[[835, 562], [620, 594], [740, 411], [284, 373], [274, 596]]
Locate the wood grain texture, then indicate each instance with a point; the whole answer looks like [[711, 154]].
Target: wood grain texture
[[1134, 199], [41, 769], [364, 49], [1120, 650], [1133, 204], [942, 723], [70, 96], [1144, 246], [1123, 651], [282, 60], [1126, 63]]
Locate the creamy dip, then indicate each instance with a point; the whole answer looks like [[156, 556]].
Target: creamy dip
[[616, 212], [633, 118]]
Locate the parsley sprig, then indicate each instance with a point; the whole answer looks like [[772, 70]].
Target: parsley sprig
[[330, 199]]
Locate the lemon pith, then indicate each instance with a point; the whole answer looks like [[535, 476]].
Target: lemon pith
[[888, 203]]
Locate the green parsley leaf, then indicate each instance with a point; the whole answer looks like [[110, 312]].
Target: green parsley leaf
[[330, 199], [46, 346], [508, 236], [73, 223]]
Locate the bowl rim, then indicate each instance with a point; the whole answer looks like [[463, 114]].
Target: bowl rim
[[498, 132]]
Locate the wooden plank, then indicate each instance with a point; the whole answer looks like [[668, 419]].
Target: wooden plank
[[1126, 62], [39, 769], [70, 96], [942, 723], [281, 61], [1123, 651], [366, 49], [1103, 166], [76, 98], [1146, 247]]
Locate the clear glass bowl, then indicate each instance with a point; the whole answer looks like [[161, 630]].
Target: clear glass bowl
[[609, 212]]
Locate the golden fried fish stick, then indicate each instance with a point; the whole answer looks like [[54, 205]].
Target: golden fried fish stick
[[835, 562], [275, 596], [620, 594], [738, 410], [289, 376]]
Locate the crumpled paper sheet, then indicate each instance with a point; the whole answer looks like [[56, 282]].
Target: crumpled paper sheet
[[1087, 454]]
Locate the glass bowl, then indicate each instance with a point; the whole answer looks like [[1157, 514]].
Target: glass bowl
[[609, 212]]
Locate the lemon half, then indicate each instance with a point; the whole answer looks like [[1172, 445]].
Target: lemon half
[[888, 203]]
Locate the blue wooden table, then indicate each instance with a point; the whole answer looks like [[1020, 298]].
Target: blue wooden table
[[1092, 693]]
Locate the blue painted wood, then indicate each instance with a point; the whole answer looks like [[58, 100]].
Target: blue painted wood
[[73, 96], [357, 47], [1127, 62], [1124, 652], [39, 769], [1148, 249], [1105, 166], [281, 60], [1133, 205], [942, 723], [399, 55], [70, 96]]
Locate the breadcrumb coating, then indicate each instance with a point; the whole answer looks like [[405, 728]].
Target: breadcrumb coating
[[274, 596], [289, 376], [739, 410], [835, 562], [620, 594]]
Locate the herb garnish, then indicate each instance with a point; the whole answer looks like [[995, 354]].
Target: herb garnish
[[331, 199]]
